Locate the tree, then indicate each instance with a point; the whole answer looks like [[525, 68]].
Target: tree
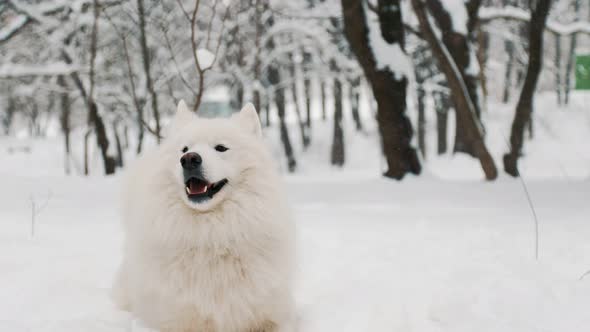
[[458, 41], [524, 108], [145, 56], [65, 121], [387, 77], [354, 95], [337, 154], [465, 109]]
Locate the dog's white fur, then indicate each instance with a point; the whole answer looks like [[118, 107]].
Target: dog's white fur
[[224, 265]]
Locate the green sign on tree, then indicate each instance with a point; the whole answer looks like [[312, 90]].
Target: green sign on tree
[[583, 72]]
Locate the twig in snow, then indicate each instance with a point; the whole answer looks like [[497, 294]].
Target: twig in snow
[[36, 209], [584, 275], [531, 206]]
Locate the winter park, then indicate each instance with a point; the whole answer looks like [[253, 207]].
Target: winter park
[[282, 166]]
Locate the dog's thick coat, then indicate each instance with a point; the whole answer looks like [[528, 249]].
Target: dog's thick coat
[[222, 265]]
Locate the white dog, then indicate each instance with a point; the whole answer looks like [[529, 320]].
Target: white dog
[[209, 244]]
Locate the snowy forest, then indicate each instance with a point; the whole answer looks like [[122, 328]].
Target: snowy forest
[[434, 152], [422, 78]]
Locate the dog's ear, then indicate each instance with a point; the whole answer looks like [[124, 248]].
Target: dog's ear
[[183, 116], [248, 119]]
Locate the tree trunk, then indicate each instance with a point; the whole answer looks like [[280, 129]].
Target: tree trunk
[[237, 101], [421, 94], [389, 88], [509, 47], [8, 115], [464, 108], [483, 41], [354, 95], [337, 154], [140, 129], [459, 47], [86, 162], [118, 145], [323, 98], [94, 117], [64, 120], [146, 68], [267, 108], [570, 58], [256, 100], [258, 31], [126, 137], [307, 88], [295, 96], [307, 91], [442, 105], [524, 107], [102, 139], [274, 78], [558, 68], [281, 105]]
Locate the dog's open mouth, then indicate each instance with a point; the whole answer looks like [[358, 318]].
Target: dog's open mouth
[[198, 189]]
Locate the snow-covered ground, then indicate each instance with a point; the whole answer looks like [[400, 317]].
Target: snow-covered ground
[[425, 254], [375, 255]]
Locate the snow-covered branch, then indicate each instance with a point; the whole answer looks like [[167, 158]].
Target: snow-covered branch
[[13, 27], [52, 69], [488, 14]]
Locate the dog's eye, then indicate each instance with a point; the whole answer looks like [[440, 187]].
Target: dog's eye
[[185, 149], [221, 148]]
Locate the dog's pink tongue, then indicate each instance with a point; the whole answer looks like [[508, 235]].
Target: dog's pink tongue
[[197, 187]]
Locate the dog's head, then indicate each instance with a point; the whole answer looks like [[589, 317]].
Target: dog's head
[[210, 158]]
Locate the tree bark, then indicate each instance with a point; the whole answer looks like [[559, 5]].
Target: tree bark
[[337, 154], [267, 107], [354, 95], [274, 78], [323, 98], [458, 45], [388, 88], [483, 41], [295, 96], [558, 68], [93, 115], [509, 47], [8, 116], [442, 105], [146, 68], [86, 162], [524, 107], [421, 95], [125, 137], [307, 89], [465, 109], [102, 139], [118, 145], [281, 105], [258, 31], [64, 120]]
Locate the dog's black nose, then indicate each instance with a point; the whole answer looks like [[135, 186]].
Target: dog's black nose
[[191, 160]]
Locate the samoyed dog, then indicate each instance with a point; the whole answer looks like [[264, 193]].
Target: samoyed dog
[[209, 243]]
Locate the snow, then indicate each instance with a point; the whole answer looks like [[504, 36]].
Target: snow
[[441, 252], [386, 55], [206, 58], [13, 26], [375, 255], [515, 13], [217, 94], [50, 69], [458, 13]]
